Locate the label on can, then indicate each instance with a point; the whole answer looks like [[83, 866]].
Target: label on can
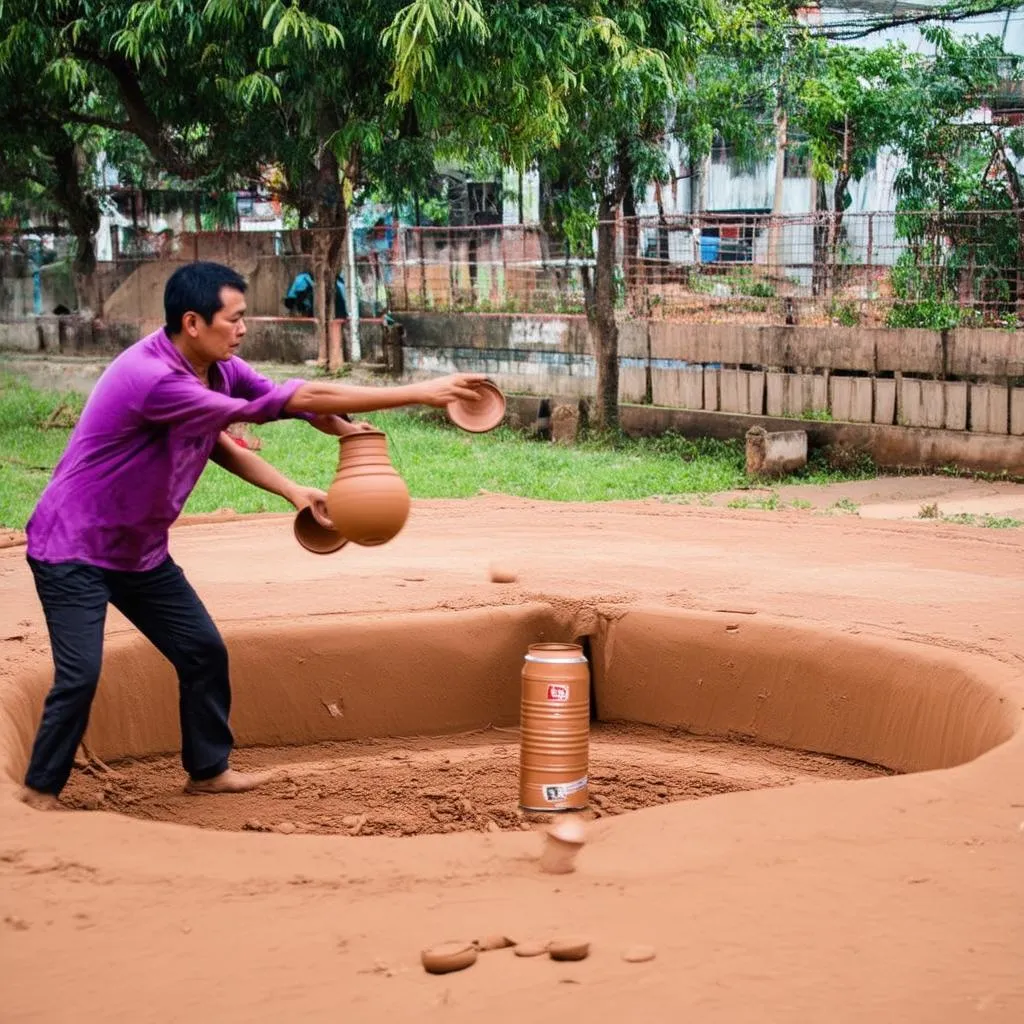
[[556, 794], [558, 693]]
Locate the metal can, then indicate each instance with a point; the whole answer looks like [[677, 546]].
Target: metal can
[[554, 728]]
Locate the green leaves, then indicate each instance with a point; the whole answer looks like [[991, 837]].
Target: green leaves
[[289, 21], [417, 30], [68, 74]]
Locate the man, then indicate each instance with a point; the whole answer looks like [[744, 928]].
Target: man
[[99, 534], [299, 298]]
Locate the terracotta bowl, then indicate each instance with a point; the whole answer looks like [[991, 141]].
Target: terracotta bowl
[[316, 537], [449, 956], [481, 415]]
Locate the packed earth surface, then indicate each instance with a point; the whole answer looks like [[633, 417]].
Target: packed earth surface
[[807, 778]]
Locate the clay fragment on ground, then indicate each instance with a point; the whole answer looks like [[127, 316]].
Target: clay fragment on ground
[[492, 942], [571, 948], [638, 954], [532, 947], [448, 957]]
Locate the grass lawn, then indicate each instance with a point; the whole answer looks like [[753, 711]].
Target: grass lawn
[[435, 459]]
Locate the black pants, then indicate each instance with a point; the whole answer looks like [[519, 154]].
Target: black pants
[[163, 606]]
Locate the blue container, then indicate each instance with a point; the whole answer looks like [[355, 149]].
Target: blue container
[[709, 246]]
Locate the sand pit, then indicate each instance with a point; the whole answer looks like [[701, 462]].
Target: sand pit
[[786, 654], [440, 785]]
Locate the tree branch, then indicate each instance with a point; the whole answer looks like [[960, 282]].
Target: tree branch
[[1013, 182], [142, 122], [99, 122]]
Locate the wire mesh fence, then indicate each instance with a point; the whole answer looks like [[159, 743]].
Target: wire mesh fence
[[871, 269], [930, 269]]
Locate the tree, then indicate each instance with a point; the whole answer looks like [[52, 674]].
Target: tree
[[586, 91], [849, 104], [220, 92], [45, 163], [961, 169], [739, 94], [306, 84], [77, 77]]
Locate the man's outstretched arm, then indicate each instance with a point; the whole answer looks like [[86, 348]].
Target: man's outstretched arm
[[340, 399], [256, 471]]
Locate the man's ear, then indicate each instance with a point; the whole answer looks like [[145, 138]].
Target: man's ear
[[190, 324]]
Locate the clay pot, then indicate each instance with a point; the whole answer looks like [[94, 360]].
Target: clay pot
[[555, 728], [481, 415], [368, 501], [314, 536], [564, 840]]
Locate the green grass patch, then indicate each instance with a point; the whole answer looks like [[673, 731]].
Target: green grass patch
[[436, 460], [987, 521], [770, 503], [28, 451], [845, 506]]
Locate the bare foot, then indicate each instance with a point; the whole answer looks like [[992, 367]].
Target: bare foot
[[229, 782], [39, 801]]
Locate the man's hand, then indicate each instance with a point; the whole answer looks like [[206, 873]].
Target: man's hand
[[338, 426], [443, 390], [315, 500]]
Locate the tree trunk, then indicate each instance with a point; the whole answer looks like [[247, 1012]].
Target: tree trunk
[[83, 213], [838, 207], [696, 209], [819, 268], [630, 237], [835, 229], [604, 331], [775, 224], [328, 249]]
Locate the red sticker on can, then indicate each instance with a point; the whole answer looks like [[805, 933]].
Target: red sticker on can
[[559, 693]]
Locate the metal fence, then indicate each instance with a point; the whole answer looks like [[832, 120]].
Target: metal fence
[[929, 269], [871, 269]]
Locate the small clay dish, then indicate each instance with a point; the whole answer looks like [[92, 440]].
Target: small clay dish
[[314, 536], [492, 942], [535, 947], [569, 949], [638, 954], [479, 415], [448, 957]]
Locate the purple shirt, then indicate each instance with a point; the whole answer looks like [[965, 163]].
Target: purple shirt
[[139, 448]]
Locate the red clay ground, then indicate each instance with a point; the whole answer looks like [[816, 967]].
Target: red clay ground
[[899, 899], [418, 785]]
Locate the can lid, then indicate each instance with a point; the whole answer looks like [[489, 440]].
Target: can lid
[[556, 654]]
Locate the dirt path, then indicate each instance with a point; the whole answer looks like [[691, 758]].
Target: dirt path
[[898, 898]]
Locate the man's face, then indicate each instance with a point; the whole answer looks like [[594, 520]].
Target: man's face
[[219, 340]]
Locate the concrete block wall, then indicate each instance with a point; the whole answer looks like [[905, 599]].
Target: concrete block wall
[[851, 399], [1017, 412], [962, 380], [271, 339], [990, 409]]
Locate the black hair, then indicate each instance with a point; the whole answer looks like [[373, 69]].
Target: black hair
[[195, 288]]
